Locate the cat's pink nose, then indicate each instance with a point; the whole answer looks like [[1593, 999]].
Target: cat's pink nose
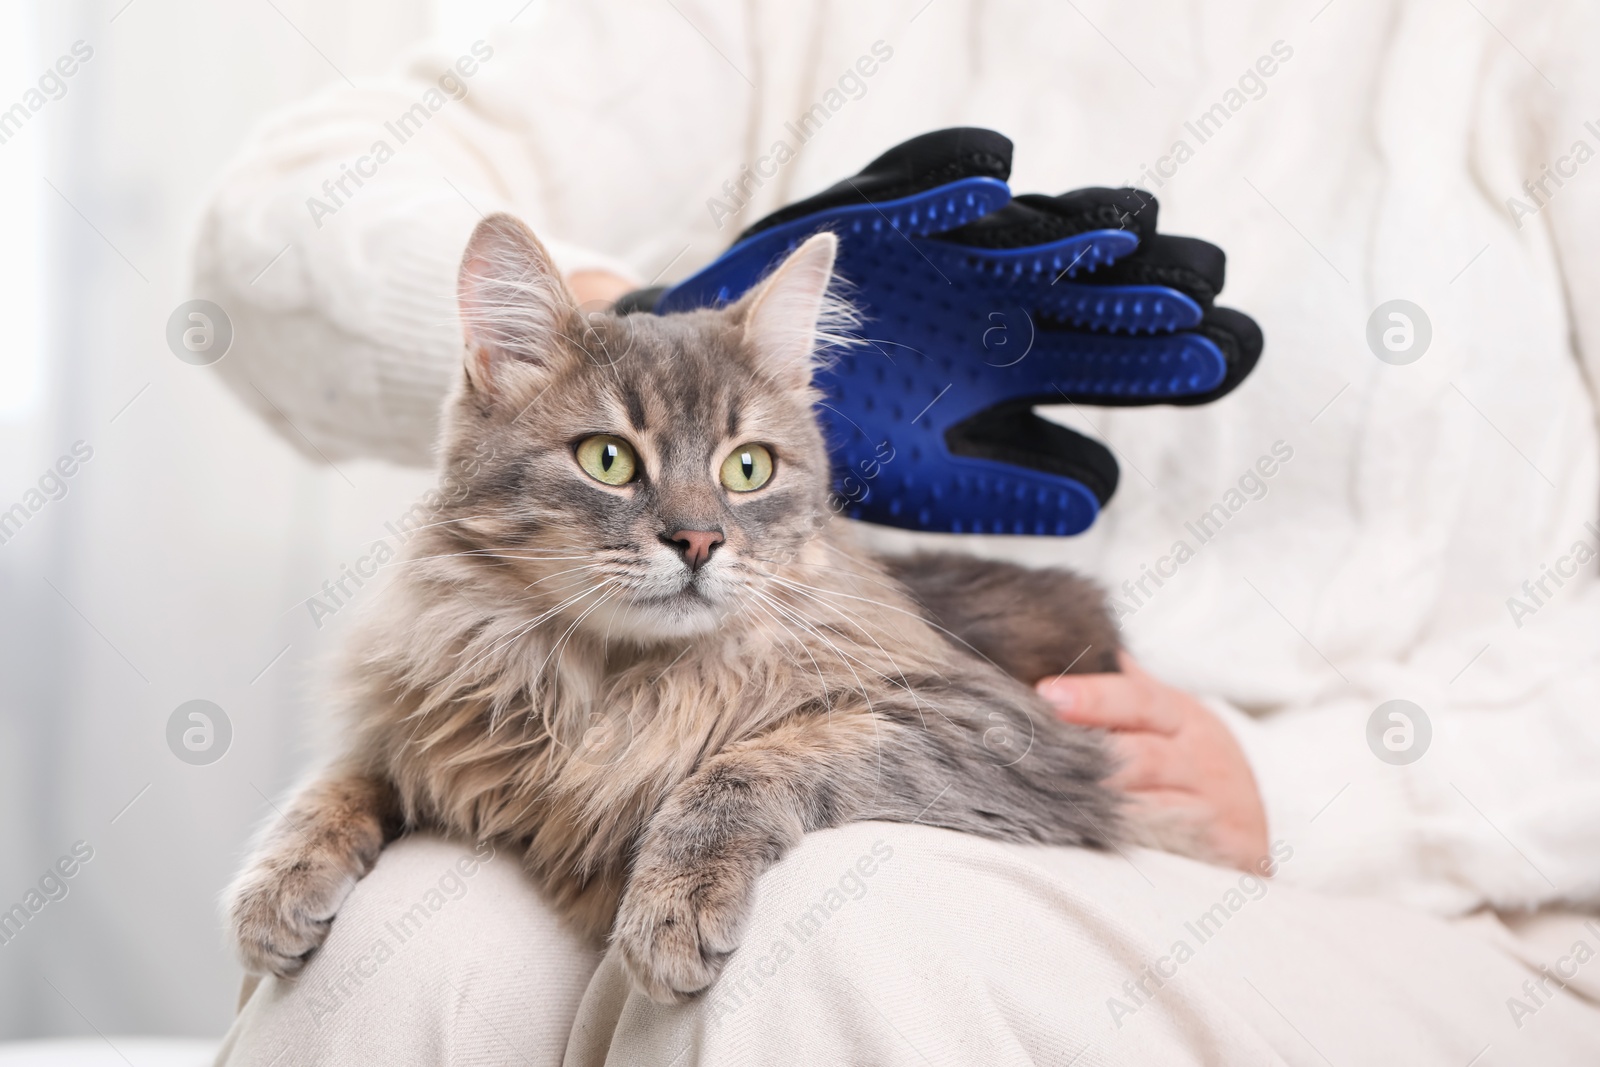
[[696, 545]]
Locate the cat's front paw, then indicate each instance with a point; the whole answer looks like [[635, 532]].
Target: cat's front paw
[[678, 923], [280, 909]]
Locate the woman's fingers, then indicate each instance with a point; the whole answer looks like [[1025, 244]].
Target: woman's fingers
[[597, 286], [1149, 762], [1175, 760], [1111, 701]]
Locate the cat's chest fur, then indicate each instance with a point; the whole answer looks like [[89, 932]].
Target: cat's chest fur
[[575, 765]]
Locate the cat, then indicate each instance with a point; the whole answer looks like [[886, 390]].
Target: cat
[[635, 641]]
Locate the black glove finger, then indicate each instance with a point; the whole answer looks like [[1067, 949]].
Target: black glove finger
[[1034, 219], [1193, 267], [1236, 336], [1166, 284], [1012, 434], [1239, 338], [639, 300], [1100, 208]]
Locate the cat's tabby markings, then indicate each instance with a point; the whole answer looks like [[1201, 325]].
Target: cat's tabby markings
[[636, 645]]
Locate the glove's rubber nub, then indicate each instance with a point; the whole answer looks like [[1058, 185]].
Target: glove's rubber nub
[[956, 452], [1111, 370], [1014, 437], [1014, 434], [1120, 308], [1032, 265]]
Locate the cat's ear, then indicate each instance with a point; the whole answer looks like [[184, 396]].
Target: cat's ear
[[790, 313], [512, 299]]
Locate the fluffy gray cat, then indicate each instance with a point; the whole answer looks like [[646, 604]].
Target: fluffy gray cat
[[636, 645]]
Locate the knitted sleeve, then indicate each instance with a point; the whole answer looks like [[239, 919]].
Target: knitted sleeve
[[332, 241]]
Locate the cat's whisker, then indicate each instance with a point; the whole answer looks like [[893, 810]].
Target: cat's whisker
[[886, 341], [880, 581], [544, 716], [866, 632], [846, 553], [560, 641], [822, 682], [850, 617], [816, 592], [919, 616], [749, 603], [476, 554], [411, 531], [605, 638], [461, 671], [845, 657], [904, 682], [490, 550], [447, 522], [396, 564], [871, 710], [558, 574]]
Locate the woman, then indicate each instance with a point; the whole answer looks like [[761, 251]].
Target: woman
[[1424, 532]]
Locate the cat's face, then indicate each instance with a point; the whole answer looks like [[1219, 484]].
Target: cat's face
[[641, 476]]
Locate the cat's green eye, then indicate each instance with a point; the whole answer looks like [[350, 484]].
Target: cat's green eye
[[747, 468], [608, 459]]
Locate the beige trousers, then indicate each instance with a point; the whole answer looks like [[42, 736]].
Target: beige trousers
[[893, 944]]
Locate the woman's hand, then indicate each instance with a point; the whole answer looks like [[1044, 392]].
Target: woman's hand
[[1176, 756], [597, 286]]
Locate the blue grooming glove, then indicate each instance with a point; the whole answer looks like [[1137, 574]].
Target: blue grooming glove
[[976, 307]]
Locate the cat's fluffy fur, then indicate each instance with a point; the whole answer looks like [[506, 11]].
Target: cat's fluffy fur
[[545, 669]]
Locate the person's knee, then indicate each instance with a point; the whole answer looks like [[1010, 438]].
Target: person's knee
[[433, 922], [410, 914], [426, 866], [872, 913], [830, 870], [429, 898], [838, 893], [904, 891]]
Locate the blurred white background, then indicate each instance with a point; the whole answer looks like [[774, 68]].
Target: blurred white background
[[177, 564]]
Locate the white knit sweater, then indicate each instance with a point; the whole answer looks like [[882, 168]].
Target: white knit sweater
[[1375, 162]]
